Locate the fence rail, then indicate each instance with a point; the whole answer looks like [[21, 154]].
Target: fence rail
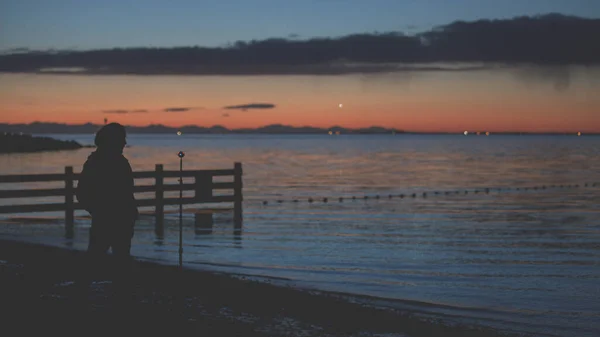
[[203, 187]]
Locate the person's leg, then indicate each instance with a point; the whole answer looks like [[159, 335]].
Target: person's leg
[[99, 242], [94, 261], [121, 247], [97, 251]]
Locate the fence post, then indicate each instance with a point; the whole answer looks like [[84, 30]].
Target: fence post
[[159, 228], [237, 193], [69, 207], [203, 223], [203, 189]]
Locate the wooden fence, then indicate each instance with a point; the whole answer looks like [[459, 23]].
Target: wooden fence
[[203, 187]]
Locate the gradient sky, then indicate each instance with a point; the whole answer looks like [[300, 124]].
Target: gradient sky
[[84, 24], [515, 99]]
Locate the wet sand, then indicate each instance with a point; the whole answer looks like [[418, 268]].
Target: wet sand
[[43, 291]]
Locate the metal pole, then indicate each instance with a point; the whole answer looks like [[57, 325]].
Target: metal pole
[[181, 155]]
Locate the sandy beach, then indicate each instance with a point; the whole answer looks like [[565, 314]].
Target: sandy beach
[[40, 294]]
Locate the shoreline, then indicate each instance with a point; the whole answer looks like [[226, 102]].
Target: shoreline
[[25, 143], [43, 278]]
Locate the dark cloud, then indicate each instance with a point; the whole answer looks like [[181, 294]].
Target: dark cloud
[[250, 106], [176, 109], [170, 109], [551, 39], [180, 109], [123, 111], [225, 115]]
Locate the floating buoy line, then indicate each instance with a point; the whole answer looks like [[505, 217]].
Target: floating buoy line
[[424, 195]]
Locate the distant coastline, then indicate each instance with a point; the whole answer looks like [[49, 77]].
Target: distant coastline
[[22, 143], [60, 128]]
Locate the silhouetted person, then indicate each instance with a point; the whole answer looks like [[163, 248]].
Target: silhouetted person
[[105, 190]]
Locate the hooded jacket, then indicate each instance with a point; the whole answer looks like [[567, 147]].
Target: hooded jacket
[[105, 189]]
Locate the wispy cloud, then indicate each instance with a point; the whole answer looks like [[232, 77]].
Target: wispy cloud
[[169, 109], [250, 106], [180, 109], [123, 111]]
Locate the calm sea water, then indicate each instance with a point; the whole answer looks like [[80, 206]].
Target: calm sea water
[[526, 261]]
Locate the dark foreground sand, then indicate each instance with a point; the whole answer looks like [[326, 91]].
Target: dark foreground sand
[[39, 296]]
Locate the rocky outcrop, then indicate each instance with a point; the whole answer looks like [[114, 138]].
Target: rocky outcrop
[[20, 143]]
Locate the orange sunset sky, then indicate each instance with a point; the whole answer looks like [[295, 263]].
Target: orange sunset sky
[[448, 101]]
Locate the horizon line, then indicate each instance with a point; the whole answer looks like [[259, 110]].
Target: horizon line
[[324, 129]]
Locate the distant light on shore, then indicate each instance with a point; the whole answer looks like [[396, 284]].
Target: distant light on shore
[[487, 133], [466, 133], [579, 134], [179, 133], [330, 132]]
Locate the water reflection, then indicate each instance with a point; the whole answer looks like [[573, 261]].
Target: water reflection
[[476, 249], [237, 237], [203, 223], [207, 224]]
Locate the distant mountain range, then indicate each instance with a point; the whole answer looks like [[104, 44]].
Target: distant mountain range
[[58, 128], [44, 128]]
